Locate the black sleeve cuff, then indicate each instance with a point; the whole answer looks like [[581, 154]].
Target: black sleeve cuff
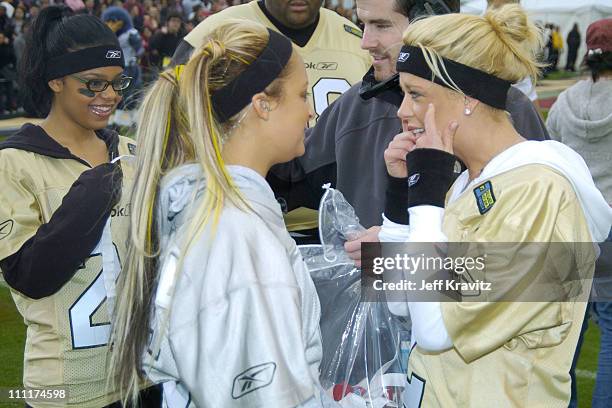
[[396, 200], [430, 175]]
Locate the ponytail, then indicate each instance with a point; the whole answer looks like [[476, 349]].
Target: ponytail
[[598, 63], [161, 146]]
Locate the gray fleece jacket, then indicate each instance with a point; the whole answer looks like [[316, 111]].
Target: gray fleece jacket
[[582, 119]]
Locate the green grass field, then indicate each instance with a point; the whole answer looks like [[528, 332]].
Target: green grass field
[[12, 338], [12, 334], [561, 75]]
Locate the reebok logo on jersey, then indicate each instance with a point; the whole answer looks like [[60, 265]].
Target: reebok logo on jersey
[[403, 57], [252, 379], [322, 66], [327, 66], [414, 179], [6, 228], [131, 148], [484, 197], [113, 54]]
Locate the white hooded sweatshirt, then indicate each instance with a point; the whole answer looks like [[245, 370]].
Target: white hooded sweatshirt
[[581, 118]]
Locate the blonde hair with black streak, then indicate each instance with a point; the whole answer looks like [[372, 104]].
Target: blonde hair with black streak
[[177, 125], [503, 43]]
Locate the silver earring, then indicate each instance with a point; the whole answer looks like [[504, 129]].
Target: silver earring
[[265, 106]]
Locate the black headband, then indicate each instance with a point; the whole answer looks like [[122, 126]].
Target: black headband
[[82, 60], [473, 82], [233, 97]]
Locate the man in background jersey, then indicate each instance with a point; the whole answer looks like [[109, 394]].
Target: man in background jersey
[[346, 146], [328, 43]]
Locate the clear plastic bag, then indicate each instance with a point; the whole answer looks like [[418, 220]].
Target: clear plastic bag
[[363, 361]]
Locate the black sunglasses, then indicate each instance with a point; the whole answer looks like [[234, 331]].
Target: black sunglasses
[[100, 85]]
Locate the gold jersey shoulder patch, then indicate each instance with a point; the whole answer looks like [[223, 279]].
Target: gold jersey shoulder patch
[[353, 30]]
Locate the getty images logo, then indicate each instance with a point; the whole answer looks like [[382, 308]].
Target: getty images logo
[[403, 57], [113, 54], [252, 379]]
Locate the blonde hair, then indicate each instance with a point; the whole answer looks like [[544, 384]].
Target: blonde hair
[[177, 125], [499, 3], [503, 43]]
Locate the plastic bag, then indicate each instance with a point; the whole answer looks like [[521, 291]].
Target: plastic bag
[[363, 362]]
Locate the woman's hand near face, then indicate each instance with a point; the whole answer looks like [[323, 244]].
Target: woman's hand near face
[[395, 154], [432, 138]]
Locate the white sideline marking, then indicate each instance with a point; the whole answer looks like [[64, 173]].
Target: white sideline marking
[[585, 374]]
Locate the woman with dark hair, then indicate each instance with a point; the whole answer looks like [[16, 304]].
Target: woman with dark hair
[[63, 218], [582, 119]]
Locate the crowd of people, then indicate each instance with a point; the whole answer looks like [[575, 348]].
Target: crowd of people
[[554, 47], [163, 271], [155, 28]]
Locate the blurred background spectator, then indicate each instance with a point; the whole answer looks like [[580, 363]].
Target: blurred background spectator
[[573, 43], [163, 43], [119, 20]]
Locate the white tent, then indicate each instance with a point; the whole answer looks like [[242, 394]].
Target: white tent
[[563, 13]]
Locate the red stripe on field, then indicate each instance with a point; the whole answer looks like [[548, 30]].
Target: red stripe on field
[[547, 103]]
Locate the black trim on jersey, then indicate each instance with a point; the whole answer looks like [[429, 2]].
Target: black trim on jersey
[[50, 258], [423, 380], [91, 323], [299, 36]]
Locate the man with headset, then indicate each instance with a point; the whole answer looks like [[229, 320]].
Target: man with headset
[[346, 146]]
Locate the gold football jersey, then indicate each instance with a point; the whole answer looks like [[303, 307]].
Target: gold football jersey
[[509, 354], [333, 57], [68, 332]]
